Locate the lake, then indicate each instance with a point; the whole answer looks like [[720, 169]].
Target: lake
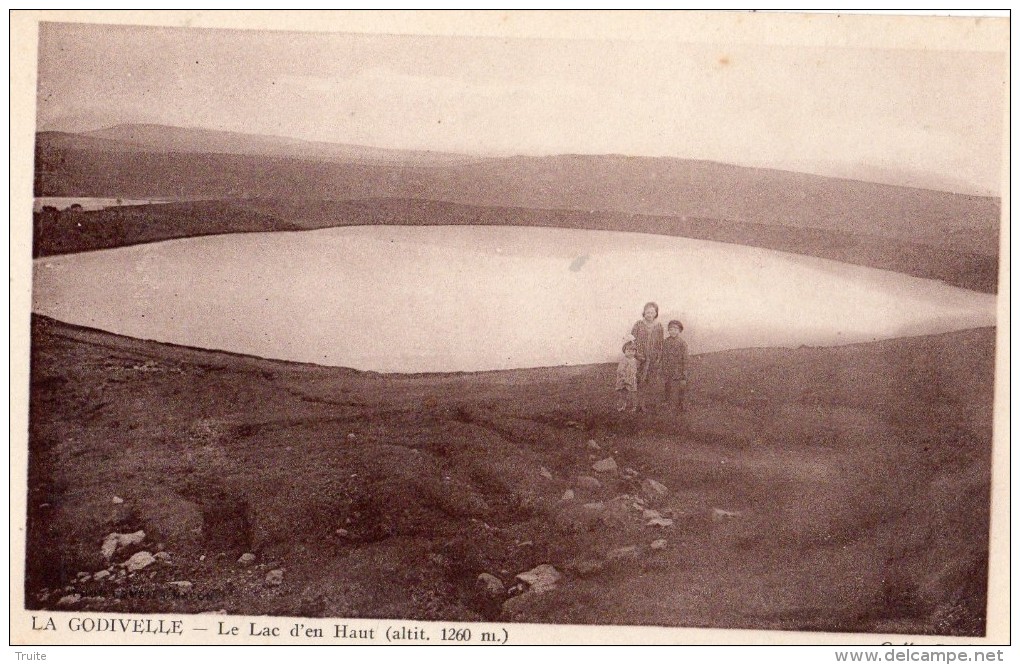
[[88, 202], [456, 298]]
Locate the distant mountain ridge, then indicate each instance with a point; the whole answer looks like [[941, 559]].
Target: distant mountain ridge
[[165, 138]]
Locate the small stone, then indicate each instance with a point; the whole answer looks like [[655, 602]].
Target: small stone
[[214, 612], [630, 473], [595, 505], [82, 575], [343, 533], [201, 558], [593, 444], [93, 599], [115, 542], [181, 587], [117, 500], [628, 552], [246, 559], [69, 599], [138, 561], [720, 515], [588, 483], [585, 566], [606, 465], [352, 435], [650, 514], [274, 577], [567, 496], [546, 473], [540, 578], [653, 487], [491, 585], [573, 423], [163, 557], [660, 521], [658, 544], [101, 575]]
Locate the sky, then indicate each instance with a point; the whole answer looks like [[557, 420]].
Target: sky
[[932, 118]]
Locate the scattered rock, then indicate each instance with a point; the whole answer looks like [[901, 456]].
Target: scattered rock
[[567, 496], [627, 552], [115, 542], [342, 533], [491, 585], [607, 465], [274, 577], [138, 561], [163, 557], [82, 575], [117, 500], [650, 514], [522, 605], [69, 599], [659, 544], [588, 483], [660, 521], [593, 444], [93, 599], [546, 473], [540, 578], [246, 559], [181, 587], [574, 424], [653, 487], [101, 575], [585, 567], [720, 515], [630, 473]]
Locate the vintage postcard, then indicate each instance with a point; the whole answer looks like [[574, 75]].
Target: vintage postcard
[[509, 328]]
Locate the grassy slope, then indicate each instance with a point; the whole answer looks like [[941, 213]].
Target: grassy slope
[[862, 474], [129, 225], [639, 185]]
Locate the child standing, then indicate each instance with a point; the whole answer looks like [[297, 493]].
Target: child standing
[[626, 378], [674, 366], [648, 339]]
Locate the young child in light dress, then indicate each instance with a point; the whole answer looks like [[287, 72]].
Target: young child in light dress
[[626, 378]]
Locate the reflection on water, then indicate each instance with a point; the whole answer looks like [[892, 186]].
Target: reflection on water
[[411, 299]]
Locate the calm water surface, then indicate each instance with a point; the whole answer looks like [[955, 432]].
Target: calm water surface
[[409, 299]]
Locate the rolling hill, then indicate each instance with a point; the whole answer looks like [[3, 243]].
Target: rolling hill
[[928, 233]]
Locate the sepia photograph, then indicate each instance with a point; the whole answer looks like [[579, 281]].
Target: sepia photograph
[[680, 328]]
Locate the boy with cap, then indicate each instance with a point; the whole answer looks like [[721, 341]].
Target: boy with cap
[[674, 366]]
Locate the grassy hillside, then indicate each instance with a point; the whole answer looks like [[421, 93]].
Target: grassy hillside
[[58, 233], [638, 185], [855, 482]]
